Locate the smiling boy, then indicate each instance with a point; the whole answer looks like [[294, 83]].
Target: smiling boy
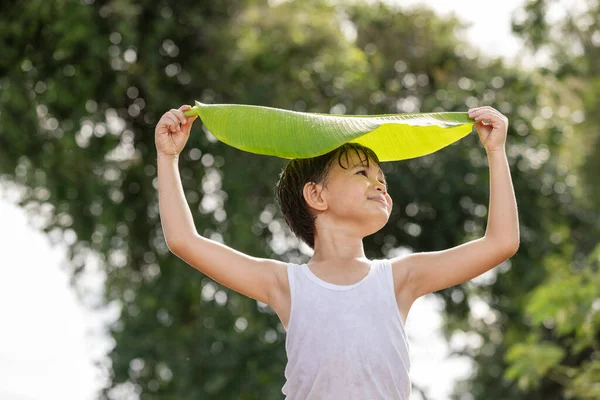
[[344, 314]]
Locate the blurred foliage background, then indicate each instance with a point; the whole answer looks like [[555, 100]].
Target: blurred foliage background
[[82, 84]]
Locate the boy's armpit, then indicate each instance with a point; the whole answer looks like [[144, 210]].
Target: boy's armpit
[[405, 293]]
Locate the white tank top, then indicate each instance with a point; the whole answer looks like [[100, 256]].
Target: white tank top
[[345, 342]]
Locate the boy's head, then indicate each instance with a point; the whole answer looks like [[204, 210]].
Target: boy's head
[[290, 190]]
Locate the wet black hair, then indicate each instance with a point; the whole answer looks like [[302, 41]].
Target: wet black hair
[[297, 214]]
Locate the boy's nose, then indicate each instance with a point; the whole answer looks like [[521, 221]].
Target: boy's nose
[[380, 186]]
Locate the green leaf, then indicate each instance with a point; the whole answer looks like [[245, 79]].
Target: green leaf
[[292, 134]]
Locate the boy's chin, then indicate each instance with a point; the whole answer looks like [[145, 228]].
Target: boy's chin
[[374, 226]]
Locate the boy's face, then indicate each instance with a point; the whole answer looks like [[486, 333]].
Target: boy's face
[[357, 196]]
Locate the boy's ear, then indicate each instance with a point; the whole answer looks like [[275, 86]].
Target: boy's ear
[[313, 195]]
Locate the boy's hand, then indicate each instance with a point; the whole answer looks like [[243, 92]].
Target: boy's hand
[[172, 131], [491, 126]]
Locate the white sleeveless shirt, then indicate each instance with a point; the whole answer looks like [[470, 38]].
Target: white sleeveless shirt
[[345, 342]]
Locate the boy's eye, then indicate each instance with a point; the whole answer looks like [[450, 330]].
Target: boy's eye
[[365, 174]]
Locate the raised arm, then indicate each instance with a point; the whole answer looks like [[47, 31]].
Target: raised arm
[[175, 215], [432, 271], [253, 277]]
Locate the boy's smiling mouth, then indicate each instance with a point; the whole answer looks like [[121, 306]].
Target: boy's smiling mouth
[[379, 199]]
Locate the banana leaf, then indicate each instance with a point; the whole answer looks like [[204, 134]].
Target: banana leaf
[[291, 134]]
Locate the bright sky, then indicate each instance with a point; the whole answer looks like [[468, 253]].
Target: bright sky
[[48, 339], [489, 22]]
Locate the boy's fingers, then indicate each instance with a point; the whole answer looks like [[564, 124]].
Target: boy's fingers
[[186, 107], [171, 120], [486, 111], [179, 115], [183, 108], [163, 125], [478, 111], [188, 126], [482, 108], [174, 119], [488, 121], [486, 116]]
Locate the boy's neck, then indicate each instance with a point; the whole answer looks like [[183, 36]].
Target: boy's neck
[[340, 255], [336, 246]]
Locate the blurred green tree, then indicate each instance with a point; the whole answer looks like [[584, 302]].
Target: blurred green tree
[[563, 345], [82, 84]]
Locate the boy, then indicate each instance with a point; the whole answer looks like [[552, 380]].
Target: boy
[[344, 314]]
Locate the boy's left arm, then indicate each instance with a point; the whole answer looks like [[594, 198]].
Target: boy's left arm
[[432, 271]]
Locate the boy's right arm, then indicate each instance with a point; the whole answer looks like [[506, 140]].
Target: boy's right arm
[[253, 277]]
